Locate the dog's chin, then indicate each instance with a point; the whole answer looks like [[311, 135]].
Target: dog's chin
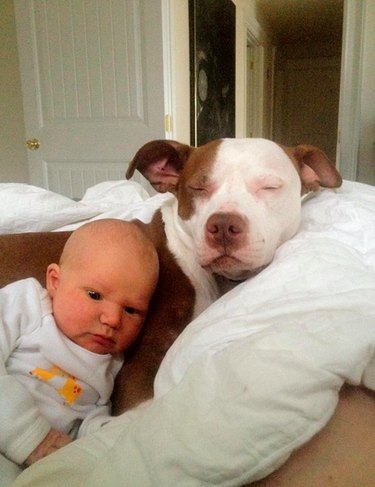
[[232, 268]]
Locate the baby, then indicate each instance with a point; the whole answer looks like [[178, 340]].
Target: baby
[[61, 347]]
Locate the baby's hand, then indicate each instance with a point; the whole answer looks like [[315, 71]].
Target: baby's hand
[[52, 442]]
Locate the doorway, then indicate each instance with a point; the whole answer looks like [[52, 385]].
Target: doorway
[[308, 40]]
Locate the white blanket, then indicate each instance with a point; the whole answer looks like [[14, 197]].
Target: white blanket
[[26, 208], [257, 374]]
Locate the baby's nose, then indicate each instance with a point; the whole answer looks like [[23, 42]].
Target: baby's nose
[[111, 315]]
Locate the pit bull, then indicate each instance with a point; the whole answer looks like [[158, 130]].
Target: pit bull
[[235, 202]]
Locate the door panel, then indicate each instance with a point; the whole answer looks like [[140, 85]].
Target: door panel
[[310, 103], [92, 79]]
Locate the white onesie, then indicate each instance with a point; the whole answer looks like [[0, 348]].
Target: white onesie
[[46, 380]]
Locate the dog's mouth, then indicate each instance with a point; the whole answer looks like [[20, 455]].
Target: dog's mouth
[[232, 268]]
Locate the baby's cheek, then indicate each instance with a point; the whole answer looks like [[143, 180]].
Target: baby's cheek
[[130, 332]]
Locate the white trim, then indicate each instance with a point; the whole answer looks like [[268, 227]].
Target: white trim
[[167, 67], [350, 86], [253, 41], [241, 74], [272, 94], [176, 68], [259, 91]]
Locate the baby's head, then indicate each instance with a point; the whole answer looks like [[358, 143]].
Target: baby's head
[[102, 286]]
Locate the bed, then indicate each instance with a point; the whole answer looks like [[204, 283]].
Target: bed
[[252, 383]]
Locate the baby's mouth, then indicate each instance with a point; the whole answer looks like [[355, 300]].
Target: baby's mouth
[[103, 340]]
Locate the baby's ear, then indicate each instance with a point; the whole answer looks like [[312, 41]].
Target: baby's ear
[[52, 278]]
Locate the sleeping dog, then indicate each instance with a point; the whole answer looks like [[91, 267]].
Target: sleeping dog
[[235, 201]]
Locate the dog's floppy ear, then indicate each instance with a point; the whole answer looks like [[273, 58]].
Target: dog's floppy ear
[[315, 168], [160, 161]]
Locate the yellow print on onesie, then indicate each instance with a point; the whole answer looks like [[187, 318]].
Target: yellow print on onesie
[[64, 383]]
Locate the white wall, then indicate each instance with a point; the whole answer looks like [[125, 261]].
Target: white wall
[[366, 156], [13, 158]]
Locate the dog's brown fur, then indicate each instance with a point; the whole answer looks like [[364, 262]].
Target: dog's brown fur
[[28, 255], [170, 311]]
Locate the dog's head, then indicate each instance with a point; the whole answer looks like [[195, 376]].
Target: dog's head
[[239, 199]]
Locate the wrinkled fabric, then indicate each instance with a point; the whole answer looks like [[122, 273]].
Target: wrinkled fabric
[[257, 374]]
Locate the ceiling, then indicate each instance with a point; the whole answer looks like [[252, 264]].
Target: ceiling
[[293, 21]]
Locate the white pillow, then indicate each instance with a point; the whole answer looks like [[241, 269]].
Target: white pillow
[[333, 253], [112, 194], [26, 208]]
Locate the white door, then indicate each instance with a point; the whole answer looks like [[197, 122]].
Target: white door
[[92, 80]]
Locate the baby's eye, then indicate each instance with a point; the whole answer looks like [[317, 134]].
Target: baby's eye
[[94, 295], [129, 310]]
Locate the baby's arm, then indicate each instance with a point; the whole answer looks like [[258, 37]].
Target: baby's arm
[[22, 428], [52, 442], [25, 435]]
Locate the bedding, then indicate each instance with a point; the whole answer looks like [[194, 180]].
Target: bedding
[[27, 208], [258, 373]]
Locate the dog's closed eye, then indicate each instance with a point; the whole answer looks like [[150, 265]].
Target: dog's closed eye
[[196, 188], [268, 185]]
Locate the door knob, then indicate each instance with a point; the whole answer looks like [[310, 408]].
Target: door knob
[[33, 144]]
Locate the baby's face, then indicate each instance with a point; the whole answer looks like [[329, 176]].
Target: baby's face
[[101, 304]]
